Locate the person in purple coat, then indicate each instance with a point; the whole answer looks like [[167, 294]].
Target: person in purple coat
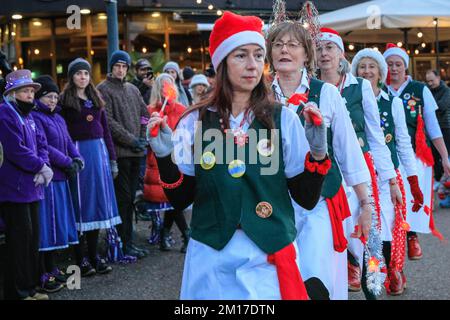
[[57, 215], [93, 188], [24, 172]]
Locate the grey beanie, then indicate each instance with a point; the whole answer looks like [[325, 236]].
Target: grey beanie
[[172, 65], [77, 65]]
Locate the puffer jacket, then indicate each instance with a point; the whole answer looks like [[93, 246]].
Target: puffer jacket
[[152, 189]]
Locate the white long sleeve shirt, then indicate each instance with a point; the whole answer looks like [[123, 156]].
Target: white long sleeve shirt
[[293, 140], [430, 106], [403, 144], [346, 148], [375, 137]]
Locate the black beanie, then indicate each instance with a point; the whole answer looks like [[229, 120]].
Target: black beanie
[[47, 86]]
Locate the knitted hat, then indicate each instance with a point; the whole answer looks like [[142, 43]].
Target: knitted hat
[[232, 31], [142, 63], [120, 56], [172, 65], [77, 65], [198, 79], [328, 34], [188, 73], [394, 50], [373, 54], [47, 86], [20, 79]]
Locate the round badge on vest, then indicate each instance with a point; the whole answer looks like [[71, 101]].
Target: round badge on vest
[[208, 160], [89, 118], [265, 147], [236, 168], [388, 138], [264, 209], [406, 96]]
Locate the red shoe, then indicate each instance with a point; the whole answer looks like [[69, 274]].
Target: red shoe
[[414, 250], [395, 283], [403, 279], [354, 278]]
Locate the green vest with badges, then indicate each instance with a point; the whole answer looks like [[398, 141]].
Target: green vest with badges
[[388, 126], [333, 179], [230, 194], [412, 98], [353, 101]]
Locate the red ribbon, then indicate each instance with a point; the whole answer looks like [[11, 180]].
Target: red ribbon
[[338, 210], [289, 277]]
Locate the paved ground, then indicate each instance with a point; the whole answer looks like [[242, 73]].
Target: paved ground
[[159, 275]]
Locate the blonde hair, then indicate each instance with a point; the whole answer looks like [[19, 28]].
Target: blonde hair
[[156, 95]]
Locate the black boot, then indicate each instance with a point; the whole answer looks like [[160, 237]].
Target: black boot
[[164, 243], [185, 235]]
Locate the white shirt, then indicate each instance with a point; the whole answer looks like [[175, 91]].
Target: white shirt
[[293, 140], [346, 148], [429, 109], [402, 139], [375, 137]]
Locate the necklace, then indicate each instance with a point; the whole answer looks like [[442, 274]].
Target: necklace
[[240, 136]]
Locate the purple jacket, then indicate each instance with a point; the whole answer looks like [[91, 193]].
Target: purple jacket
[[61, 149], [25, 153], [88, 124]]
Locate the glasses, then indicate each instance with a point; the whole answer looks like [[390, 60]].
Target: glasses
[[51, 96], [290, 45]]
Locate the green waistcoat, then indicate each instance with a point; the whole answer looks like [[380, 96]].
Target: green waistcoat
[[222, 202], [388, 126], [333, 179], [412, 98], [353, 101]]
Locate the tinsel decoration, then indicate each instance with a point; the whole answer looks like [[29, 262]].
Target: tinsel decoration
[[423, 151], [309, 18], [278, 14], [398, 234], [373, 250], [373, 255]]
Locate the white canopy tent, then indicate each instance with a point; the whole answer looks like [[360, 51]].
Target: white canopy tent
[[390, 20], [378, 14]]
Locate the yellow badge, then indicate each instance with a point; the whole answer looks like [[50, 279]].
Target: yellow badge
[[90, 118], [361, 142], [265, 147], [236, 168], [264, 209], [388, 138], [208, 160]]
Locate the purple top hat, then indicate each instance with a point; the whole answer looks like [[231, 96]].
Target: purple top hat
[[20, 79]]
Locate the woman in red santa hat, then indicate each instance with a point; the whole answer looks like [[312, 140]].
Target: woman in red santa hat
[[362, 106], [419, 106], [291, 53], [369, 64], [242, 242]]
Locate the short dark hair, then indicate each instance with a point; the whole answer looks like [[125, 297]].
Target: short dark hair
[[434, 71]]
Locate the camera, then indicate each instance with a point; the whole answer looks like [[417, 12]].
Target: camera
[[149, 75]]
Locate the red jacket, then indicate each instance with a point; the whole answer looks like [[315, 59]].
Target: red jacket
[[152, 190]]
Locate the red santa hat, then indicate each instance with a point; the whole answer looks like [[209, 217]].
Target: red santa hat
[[394, 50], [232, 31], [328, 34]]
